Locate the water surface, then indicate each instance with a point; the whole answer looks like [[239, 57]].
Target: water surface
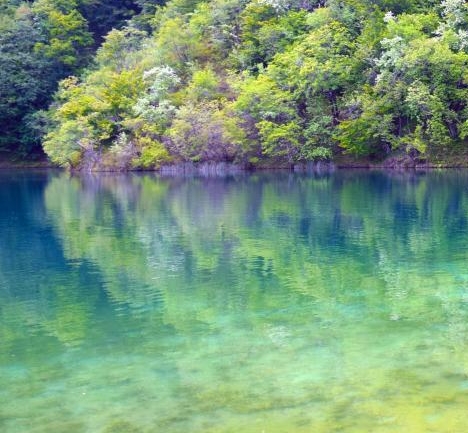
[[251, 303]]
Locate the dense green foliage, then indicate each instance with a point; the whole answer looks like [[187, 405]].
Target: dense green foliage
[[237, 80], [42, 42]]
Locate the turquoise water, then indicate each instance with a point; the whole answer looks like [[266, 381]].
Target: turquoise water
[[252, 303]]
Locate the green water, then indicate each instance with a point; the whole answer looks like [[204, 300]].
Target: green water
[[259, 303]]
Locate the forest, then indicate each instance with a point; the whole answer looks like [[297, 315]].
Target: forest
[[136, 84]]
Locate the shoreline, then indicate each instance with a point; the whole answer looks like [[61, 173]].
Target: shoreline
[[214, 168]]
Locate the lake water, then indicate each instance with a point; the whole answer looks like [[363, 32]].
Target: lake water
[[261, 303]]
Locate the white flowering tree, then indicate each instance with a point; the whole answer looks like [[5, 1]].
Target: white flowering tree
[[154, 106]]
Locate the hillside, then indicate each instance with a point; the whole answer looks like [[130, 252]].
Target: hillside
[[250, 82]]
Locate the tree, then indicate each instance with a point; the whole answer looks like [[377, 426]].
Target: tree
[[27, 80], [66, 38]]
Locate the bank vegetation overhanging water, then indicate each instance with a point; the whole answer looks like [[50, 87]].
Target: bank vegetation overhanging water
[[106, 86], [450, 160]]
